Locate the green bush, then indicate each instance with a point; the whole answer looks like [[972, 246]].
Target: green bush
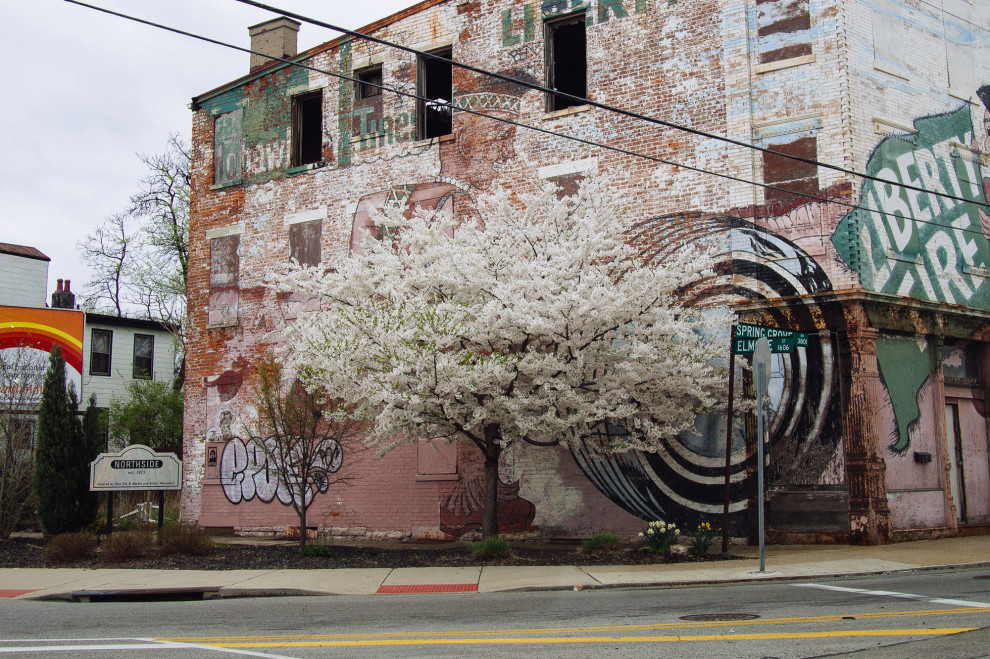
[[491, 548], [601, 542], [69, 548], [185, 539], [125, 546], [316, 550]]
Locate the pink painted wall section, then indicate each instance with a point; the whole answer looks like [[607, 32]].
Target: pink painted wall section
[[541, 490]]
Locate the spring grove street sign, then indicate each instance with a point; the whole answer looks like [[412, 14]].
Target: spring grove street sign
[[781, 340], [137, 467]]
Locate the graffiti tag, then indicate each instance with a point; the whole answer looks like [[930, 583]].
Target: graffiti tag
[[247, 471]]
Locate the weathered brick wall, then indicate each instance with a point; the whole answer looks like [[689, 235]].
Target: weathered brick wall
[[790, 75]]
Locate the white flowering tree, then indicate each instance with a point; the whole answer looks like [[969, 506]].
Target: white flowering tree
[[538, 323]]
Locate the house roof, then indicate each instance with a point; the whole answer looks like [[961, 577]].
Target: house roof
[[22, 250], [306, 54], [123, 321]]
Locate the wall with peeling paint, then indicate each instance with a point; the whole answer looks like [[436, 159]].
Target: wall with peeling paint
[[884, 279]]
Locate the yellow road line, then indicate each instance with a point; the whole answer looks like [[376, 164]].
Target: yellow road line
[[598, 639], [572, 630]]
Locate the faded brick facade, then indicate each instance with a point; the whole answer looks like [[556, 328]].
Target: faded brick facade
[[879, 425]]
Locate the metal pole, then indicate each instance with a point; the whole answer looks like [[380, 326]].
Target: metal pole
[[109, 513], [161, 514], [728, 440], [759, 468]]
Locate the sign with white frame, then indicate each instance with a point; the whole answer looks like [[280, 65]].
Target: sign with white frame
[[137, 467]]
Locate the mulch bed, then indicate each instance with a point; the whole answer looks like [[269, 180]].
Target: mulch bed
[[22, 552]]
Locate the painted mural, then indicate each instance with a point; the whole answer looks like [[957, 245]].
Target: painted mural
[[925, 246], [684, 482]]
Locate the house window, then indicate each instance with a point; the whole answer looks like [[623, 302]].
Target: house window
[[369, 82], [435, 82], [144, 355], [99, 352], [304, 242], [567, 61], [307, 128]]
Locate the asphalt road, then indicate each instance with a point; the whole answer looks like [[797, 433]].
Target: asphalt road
[[921, 614]]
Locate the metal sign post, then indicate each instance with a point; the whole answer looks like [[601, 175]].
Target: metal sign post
[[761, 371]]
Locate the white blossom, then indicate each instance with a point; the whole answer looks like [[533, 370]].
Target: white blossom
[[538, 323]]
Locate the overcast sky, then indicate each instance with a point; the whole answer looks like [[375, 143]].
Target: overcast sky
[[86, 92]]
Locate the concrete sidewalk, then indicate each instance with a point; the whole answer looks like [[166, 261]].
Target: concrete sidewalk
[[782, 562]]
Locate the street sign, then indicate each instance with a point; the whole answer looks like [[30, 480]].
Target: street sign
[[137, 467], [780, 340]]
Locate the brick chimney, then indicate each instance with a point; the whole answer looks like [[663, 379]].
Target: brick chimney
[[64, 298], [274, 38]]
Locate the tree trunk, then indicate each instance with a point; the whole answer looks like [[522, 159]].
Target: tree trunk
[[302, 527], [489, 518]]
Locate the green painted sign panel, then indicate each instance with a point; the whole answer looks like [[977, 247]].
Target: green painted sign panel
[[781, 340], [919, 245]]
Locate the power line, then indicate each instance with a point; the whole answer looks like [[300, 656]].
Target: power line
[[603, 106], [453, 107]]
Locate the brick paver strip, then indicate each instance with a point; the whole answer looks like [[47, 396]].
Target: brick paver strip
[[429, 588], [13, 592]]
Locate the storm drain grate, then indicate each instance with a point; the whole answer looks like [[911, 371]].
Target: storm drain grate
[[719, 617], [982, 576]]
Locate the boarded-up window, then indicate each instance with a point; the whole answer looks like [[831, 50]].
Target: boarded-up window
[[224, 270], [795, 178], [888, 42], [959, 47], [227, 148], [436, 458], [304, 242], [783, 29]]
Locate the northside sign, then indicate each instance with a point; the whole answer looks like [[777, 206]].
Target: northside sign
[[137, 467], [780, 340]]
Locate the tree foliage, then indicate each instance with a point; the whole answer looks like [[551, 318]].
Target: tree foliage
[[62, 456], [302, 434], [540, 323], [140, 257], [151, 414], [22, 371]]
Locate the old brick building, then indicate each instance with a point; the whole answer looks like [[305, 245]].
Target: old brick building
[[879, 425]]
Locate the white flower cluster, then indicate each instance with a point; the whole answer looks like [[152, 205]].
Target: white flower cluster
[[538, 323], [659, 528]]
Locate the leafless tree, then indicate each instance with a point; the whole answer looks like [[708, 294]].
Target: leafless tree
[[140, 257], [22, 373], [303, 436]]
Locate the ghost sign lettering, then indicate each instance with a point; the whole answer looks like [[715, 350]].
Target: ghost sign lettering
[[137, 467]]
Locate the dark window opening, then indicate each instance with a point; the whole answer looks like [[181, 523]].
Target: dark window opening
[[567, 61], [369, 82], [307, 129], [144, 355], [435, 82], [304, 242], [101, 342]]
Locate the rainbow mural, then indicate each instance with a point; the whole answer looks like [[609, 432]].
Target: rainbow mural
[[43, 329]]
